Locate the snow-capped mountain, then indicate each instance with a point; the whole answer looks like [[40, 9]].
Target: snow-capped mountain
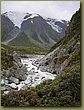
[[18, 17], [58, 25], [33, 27]]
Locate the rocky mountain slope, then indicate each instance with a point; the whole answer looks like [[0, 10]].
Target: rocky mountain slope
[[38, 30], [64, 52]]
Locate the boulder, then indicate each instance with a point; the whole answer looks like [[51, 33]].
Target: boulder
[[13, 86], [19, 74], [24, 68], [16, 57], [14, 80]]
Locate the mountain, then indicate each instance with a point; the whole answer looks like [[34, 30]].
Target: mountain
[[58, 25], [66, 50], [8, 31], [7, 26], [21, 39], [37, 29], [15, 17]]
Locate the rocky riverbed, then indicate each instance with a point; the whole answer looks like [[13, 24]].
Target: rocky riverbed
[[29, 74]]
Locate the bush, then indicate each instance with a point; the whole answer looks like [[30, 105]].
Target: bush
[[20, 98]]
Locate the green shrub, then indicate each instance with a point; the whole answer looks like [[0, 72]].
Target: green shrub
[[20, 98]]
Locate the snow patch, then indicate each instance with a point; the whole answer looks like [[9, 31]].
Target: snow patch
[[15, 17], [55, 27], [32, 21], [32, 16]]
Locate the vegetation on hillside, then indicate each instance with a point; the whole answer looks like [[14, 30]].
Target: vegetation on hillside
[[64, 90], [73, 29], [6, 59], [25, 50]]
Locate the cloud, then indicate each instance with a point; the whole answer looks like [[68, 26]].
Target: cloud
[[53, 9]]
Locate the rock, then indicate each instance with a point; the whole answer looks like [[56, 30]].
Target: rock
[[22, 82], [6, 78], [24, 68], [54, 72], [6, 88], [16, 57], [14, 80], [6, 81], [13, 86], [3, 88], [36, 71], [42, 77], [36, 77], [31, 79], [19, 73], [2, 82], [33, 69], [24, 88], [26, 64], [6, 92], [38, 68], [31, 72], [27, 73], [76, 47], [58, 69], [27, 82], [20, 64]]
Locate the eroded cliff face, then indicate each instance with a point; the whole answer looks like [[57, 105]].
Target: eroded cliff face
[[65, 52]]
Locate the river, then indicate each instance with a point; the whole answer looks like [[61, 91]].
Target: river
[[34, 74]]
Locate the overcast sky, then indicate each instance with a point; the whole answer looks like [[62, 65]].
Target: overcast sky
[[54, 9]]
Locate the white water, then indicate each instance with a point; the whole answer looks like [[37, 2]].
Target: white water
[[34, 75]]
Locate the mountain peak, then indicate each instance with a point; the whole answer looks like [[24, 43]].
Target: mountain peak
[[18, 17], [15, 17], [58, 25], [28, 16]]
